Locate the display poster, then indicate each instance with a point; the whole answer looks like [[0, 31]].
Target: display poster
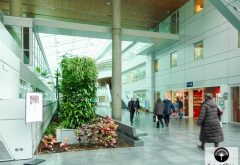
[[34, 107]]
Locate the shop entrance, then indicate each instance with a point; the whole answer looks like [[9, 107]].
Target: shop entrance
[[183, 96], [235, 104]]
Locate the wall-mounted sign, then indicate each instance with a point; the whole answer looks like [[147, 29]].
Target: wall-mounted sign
[[34, 107], [190, 84]]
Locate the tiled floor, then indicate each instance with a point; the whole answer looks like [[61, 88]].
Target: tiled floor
[[175, 144]]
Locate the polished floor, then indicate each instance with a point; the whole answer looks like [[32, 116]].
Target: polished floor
[[175, 144]]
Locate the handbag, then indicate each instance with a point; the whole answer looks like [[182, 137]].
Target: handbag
[[220, 111]]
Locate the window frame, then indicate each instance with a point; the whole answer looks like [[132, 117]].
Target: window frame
[[198, 57], [200, 3], [172, 65]]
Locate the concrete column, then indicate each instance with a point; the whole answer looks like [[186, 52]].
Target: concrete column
[[150, 77], [16, 8], [116, 61]]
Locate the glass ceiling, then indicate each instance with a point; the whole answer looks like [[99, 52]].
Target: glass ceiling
[[55, 46]]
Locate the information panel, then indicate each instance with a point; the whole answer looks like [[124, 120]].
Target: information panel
[[34, 107]]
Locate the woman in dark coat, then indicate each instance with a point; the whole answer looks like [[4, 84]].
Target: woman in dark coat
[[211, 130], [158, 111]]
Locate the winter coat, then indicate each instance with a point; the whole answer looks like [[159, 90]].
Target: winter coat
[[131, 106], [168, 106], [158, 108], [211, 130]]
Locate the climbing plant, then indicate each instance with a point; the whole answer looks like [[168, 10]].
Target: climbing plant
[[78, 86]]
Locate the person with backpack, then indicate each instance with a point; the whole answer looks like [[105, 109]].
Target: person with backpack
[[168, 109], [131, 109], [209, 121], [158, 111]]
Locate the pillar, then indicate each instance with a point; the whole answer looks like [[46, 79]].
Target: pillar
[[16, 8], [150, 77], [116, 61]]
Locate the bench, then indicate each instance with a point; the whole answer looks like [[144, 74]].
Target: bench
[[130, 134]]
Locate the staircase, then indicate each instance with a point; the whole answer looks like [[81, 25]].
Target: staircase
[[230, 9]]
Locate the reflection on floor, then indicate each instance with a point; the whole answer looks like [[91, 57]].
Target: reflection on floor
[[175, 144]]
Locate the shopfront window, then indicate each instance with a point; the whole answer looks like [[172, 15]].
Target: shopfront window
[[198, 6], [198, 50], [174, 56]]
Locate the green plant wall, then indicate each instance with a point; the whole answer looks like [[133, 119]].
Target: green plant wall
[[78, 86]]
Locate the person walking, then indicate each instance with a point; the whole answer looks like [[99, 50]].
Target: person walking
[[131, 109], [168, 109], [158, 111], [180, 107], [211, 130], [137, 104]]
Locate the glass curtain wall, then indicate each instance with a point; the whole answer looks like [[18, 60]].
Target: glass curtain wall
[[135, 74], [34, 57]]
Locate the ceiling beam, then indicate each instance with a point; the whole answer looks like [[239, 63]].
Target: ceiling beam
[[95, 31]]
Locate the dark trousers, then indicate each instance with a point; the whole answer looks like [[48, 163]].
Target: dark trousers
[[166, 119], [131, 116], [160, 117]]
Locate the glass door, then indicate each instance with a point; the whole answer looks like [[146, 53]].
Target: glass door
[[235, 104]]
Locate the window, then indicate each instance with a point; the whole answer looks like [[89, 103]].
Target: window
[[26, 55], [156, 66], [198, 50], [174, 23], [173, 57], [135, 74], [198, 6]]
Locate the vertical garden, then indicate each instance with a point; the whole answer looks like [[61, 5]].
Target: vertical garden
[[78, 88]]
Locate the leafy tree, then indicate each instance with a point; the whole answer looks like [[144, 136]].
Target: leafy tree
[[78, 86]]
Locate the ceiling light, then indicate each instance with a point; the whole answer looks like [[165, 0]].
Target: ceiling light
[[108, 3]]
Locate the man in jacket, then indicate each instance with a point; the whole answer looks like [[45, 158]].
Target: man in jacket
[[131, 109], [168, 109]]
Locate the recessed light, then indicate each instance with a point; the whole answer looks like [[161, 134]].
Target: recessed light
[[108, 3]]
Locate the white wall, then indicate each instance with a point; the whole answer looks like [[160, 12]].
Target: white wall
[[221, 55], [219, 40], [14, 131], [9, 66]]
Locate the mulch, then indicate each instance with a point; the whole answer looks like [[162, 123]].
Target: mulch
[[78, 147]]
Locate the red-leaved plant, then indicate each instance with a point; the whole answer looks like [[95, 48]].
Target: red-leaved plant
[[64, 144], [102, 131], [49, 141]]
